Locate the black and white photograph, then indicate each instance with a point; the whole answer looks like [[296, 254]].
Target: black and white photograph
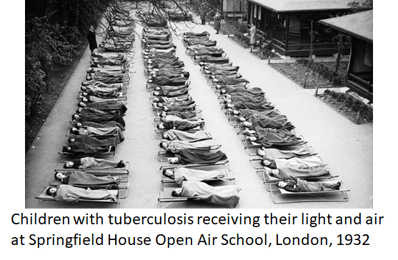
[[199, 104]]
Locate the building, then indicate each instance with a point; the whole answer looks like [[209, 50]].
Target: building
[[360, 70], [234, 8], [288, 24]]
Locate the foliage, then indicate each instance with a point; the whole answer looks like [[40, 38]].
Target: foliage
[[322, 71], [34, 85], [348, 105], [200, 6], [239, 27], [45, 45], [359, 6], [54, 45], [238, 30], [343, 41]]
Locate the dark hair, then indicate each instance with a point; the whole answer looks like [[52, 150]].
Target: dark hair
[[161, 144], [166, 175], [66, 167], [49, 193], [55, 176], [73, 116], [174, 193], [164, 172], [164, 136]]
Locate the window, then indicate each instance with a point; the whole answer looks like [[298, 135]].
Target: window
[[259, 12]]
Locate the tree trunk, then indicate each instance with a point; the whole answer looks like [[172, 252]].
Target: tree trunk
[[338, 58]]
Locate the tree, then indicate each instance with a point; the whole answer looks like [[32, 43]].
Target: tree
[[343, 41], [49, 40], [53, 29], [46, 44], [359, 6]]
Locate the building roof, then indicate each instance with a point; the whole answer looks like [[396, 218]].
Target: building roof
[[303, 5], [359, 25]]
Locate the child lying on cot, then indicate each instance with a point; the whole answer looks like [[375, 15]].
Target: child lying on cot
[[297, 185], [181, 174], [93, 163], [286, 172], [69, 193], [191, 156], [221, 195], [99, 132], [180, 125], [87, 180], [176, 145], [186, 136]]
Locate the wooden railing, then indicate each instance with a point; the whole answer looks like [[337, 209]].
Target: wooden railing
[[279, 44], [316, 46], [319, 48]]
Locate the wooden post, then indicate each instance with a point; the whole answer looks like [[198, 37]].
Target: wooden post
[[358, 117], [316, 91], [229, 27], [287, 32]]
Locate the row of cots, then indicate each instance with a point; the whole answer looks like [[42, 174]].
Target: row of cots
[[193, 166], [96, 128], [288, 166]]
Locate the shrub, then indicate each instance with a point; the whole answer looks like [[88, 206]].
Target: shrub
[[322, 70], [351, 105], [348, 101], [327, 92], [46, 44], [357, 105], [340, 97]]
